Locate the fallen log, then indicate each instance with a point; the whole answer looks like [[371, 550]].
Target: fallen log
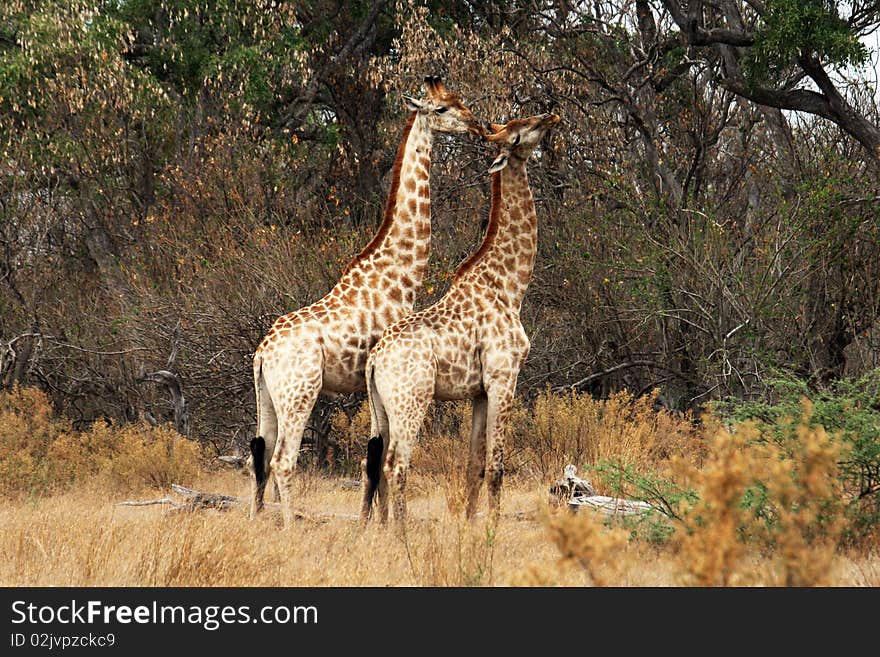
[[612, 506], [234, 461], [576, 493], [563, 490], [194, 500], [163, 500], [198, 500]]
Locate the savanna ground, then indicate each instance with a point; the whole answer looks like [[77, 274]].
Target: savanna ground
[[740, 508]]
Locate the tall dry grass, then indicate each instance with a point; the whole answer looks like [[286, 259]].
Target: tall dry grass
[[76, 534], [41, 453]]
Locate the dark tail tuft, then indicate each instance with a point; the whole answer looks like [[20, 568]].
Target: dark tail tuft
[[374, 466], [258, 453]]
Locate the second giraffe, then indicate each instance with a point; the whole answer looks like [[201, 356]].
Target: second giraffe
[[469, 345]]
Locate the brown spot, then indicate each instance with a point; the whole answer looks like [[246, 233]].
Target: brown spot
[[406, 245], [410, 185], [395, 294], [422, 251], [425, 207], [412, 205], [405, 260], [424, 191]]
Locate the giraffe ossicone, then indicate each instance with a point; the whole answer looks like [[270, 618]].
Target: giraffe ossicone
[[469, 345], [323, 348]]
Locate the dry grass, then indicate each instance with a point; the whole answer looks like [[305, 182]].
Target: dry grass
[[41, 452], [76, 535], [81, 538]]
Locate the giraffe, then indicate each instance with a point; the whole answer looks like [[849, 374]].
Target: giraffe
[[469, 345], [323, 348]]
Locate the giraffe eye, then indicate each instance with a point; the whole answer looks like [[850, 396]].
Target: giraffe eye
[[516, 141], [441, 110]]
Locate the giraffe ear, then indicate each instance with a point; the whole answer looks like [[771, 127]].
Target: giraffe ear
[[412, 104], [499, 163]]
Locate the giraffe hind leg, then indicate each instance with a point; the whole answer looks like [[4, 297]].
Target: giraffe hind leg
[[292, 422], [476, 467]]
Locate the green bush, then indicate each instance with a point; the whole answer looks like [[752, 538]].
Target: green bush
[[849, 410]]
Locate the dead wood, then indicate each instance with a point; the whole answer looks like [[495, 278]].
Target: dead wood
[[194, 500], [575, 492]]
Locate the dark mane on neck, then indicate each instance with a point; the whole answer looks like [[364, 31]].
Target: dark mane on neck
[[391, 202], [491, 229]]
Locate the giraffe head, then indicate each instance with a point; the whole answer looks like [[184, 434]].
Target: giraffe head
[[444, 110], [518, 138]]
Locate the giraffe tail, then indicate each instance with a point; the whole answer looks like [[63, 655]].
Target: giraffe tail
[[373, 467], [265, 416], [258, 454]]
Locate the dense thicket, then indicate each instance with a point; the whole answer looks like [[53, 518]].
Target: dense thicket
[[176, 174]]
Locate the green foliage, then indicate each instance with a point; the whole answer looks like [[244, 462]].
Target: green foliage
[[668, 498], [189, 43], [77, 112], [849, 410], [793, 28]]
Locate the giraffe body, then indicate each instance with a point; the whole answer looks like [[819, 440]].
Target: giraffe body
[[323, 347], [469, 345]]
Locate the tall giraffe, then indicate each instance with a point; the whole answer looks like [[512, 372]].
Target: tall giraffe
[[323, 348], [469, 345]]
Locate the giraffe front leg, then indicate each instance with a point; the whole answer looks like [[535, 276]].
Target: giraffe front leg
[[500, 401], [476, 467]]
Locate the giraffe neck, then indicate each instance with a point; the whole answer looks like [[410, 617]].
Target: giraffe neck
[[399, 250], [506, 257]]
